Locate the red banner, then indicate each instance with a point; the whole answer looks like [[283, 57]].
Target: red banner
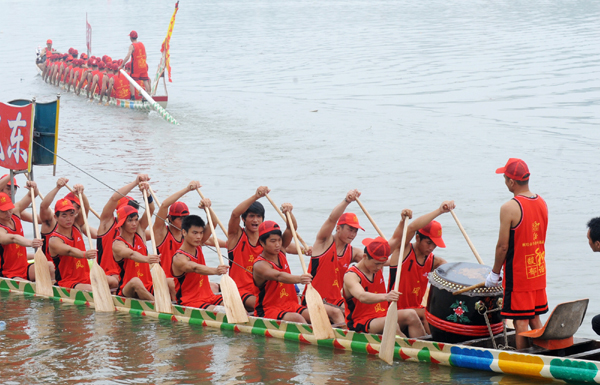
[[16, 136]]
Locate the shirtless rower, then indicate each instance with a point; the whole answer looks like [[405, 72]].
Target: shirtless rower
[[418, 260], [67, 249], [332, 253], [13, 253], [139, 67], [130, 252], [366, 297], [108, 230], [189, 267]]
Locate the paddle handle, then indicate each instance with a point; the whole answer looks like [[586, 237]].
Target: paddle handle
[[283, 217], [34, 211], [149, 221], [464, 233], [216, 217], [154, 197], [80, 200], [370, 219], [214, 235], [298, 250], [401, 256], [464, 290], [85, 221]]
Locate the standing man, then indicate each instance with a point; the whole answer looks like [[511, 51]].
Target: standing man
[[593, 234], [139, 67], [521, 252]]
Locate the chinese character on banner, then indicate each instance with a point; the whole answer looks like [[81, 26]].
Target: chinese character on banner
[[16, 136]]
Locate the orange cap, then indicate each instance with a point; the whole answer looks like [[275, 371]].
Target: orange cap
[[378, 248], [179, 209], [515, 169], [73, 198], [123, 213], [433, 230], [123, 201], [48, 41], [63, 205], [349, 219], [267, 227], [5, 202]]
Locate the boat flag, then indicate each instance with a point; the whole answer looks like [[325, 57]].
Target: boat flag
[[166, 43], [88, 36]]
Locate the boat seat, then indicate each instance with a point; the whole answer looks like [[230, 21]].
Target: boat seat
[[563, 323]]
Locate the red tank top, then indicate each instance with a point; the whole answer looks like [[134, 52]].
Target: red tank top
[[138, 58], [121, 87], [525, 264], [105, 254], [70, 270], [131, 268], [192, 287], [273, 294], [75, 75], [45, 238], [328, 271], [13, 257], [167, 249], [244, 254], [413, 279], [356, 310]]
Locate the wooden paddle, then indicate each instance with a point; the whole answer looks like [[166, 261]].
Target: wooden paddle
[[234, 307], [162, 297], [218, 221], [370, 219], [103, 301], [154, 197], [284, 218], [43, 283], [322, 329], [81, 200], [464, 233], [473, 287], [388, 339]]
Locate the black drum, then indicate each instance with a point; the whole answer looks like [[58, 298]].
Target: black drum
[[458, 318]]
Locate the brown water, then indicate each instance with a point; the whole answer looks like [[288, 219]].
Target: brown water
[[411, 103]]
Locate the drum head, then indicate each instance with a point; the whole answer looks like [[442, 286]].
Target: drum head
[[458, 275]]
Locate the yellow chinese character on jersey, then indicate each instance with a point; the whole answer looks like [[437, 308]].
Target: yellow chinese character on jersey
[[283, 293]]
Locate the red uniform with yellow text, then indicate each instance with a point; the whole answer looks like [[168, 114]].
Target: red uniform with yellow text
[[328, 271], [131, 268], [193, 289], [104, 243], [277, 298], [71, 271], [359, 315], [244, 254], [139, 67], [414, 280], [13, 257], [167, 249]]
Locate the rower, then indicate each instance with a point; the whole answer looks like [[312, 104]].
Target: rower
[[98, 79], [67, 249], [332, 253], [418, 259], [121, 86], [91, 76], [108, 81], [13, 255], [189, 268], [130, 252], [45, 56], [108, 230], [5, 187], [139, 67], [366, 297]]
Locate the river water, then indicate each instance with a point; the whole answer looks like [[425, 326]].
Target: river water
[[411, 103]]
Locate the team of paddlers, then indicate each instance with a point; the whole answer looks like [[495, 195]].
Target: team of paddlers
[[96, 75]]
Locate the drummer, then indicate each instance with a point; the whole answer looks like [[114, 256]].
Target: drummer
[[418, 259]]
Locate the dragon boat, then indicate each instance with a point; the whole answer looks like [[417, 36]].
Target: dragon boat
[[578, 363]]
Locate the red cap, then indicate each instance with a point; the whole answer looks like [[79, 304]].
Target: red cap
[[133, 35], [378, 248], [48, 41], [84, 56], [114, 67], [5, 202], [69, 58], [101, 65], [106, 59], [515, 169], [349, 219], [123, 201], [433, 230], [75, 53], [63, 205], [266, 227], [9, 181], [73, 198], [179, 209], [90, 62], [123, 213]]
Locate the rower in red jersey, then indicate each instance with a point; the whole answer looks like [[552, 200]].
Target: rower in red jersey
[[73, 75], [67, 249], [367, 299], [13, 249], [121, 87], [45, 57], [139, 67], [91, 74], [64, 78], [332, 253], [189, 268], [130, 252], [108, 82], [418, 259], [5, 186], [108, 230], [86, 68]]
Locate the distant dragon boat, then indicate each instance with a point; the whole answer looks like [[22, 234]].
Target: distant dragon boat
[[577, 363]]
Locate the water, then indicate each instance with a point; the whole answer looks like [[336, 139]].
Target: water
[[410, 103]]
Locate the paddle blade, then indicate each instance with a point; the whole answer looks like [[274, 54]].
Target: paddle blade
[[234, 307], [318, 315], [103, 301], [43, 283], [162, 298], [388, 339]]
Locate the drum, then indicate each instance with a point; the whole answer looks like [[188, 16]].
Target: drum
[[458, 318]]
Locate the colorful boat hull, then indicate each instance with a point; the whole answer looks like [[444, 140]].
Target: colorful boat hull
[[406, 349]]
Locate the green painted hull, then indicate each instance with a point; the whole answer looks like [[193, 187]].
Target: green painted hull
[[407, 349]]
